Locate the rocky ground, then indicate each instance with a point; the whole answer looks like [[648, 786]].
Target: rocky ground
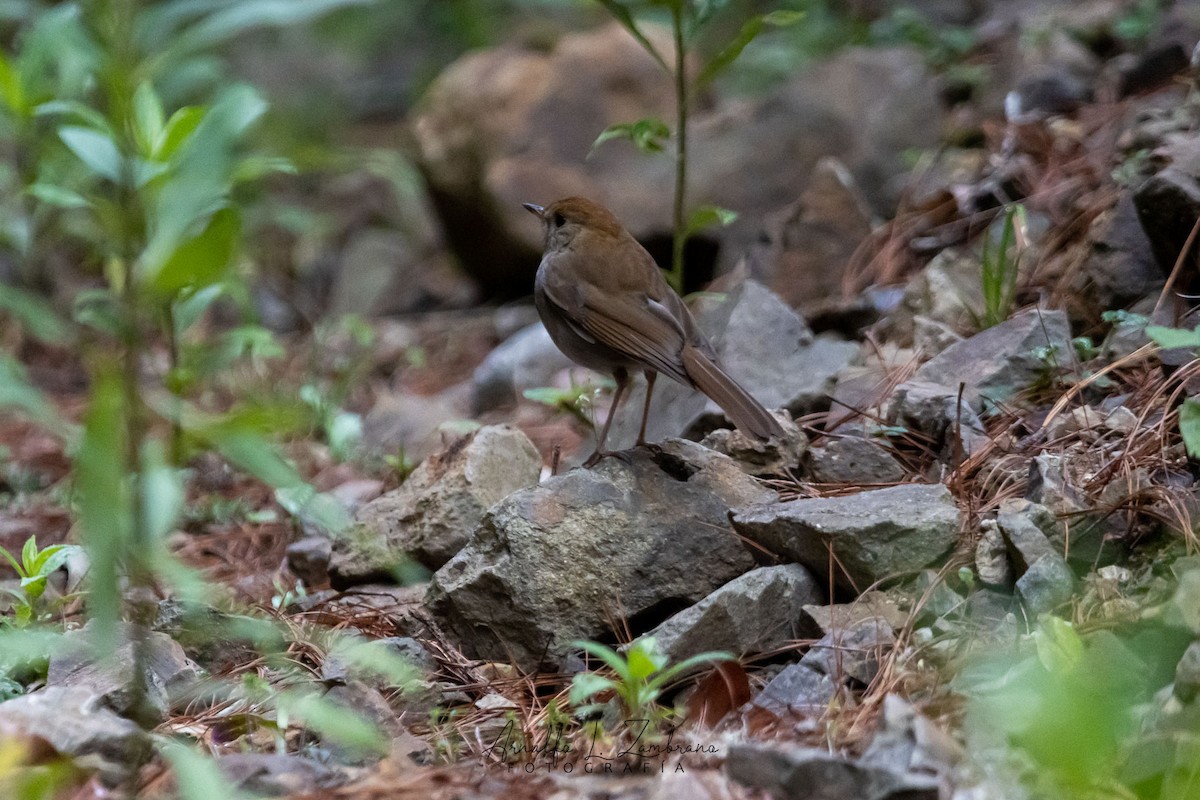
[[968, 571]]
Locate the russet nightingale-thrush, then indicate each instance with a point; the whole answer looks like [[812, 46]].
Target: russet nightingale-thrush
[[607, 306]]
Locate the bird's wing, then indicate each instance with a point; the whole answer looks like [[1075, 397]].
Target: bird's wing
[[629, 322]]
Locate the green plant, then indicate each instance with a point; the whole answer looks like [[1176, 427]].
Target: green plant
[[1000, 266], [34, 569], [686, 18], [575, 400], [641, 675]]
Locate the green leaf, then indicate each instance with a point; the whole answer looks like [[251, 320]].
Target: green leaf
[[192, 303], [1189, 426], [35, 315], [179, 128], [104, 512], [57, 196], [29, 554], [148, 119], [1171, 338], [624, 16], [162, 493], [307, 504], [336, 723], [201, 260], [89, 116], [644, 659], [12, 89], [1059, 646], [705, 217], [16, 392], [95, 149], [198, 777], [586, 685], [688, 664], [749, 32], [606, 654], [647, 135]]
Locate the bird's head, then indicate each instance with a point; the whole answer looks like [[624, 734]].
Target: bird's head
[[565, 220]]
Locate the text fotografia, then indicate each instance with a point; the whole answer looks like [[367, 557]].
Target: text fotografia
[[642, 755]]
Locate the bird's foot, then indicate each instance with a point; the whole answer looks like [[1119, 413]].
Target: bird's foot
[[596, 457]]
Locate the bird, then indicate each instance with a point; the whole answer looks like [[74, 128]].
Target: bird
[[607, 306]]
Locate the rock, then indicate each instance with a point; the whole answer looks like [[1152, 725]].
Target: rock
[[852, 652], [1026, 528], [1120, 266], [753, 613], [354, 494], [774, 457], [792, 773], [907, 741], [1046, 585], [765, 346], [991, 556], [526, 360], [868, 605], [853, 460], [277, 774], [168, 670], [1187, 674], [805, 249], [1121, 420], [874, 535], [946, 292], [430, 516], [409, 423], [368, 705], [335, 669], [950, 424], [75, 722], [931, 336], [511, 125], [630, 538], [1055, 481], [1046, 94], [308, 559], [377, 274], [1084, 422], [797, 690], [1005, 359], [1168, 205]]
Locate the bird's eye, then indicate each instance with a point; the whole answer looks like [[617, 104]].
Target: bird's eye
[[559, 220]]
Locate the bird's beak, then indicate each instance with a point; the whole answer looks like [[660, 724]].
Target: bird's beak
[[533, 208]]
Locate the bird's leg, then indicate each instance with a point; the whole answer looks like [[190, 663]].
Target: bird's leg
[[650, 376], [622, 378]]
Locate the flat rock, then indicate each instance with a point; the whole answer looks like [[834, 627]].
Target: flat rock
[[168, 670], [797, 690], [853, 460], [431, 515], [766, 346], [753, 613], [1047, 584], [1026, 528], [998, 363], [75, 722], [629, 538], [853, 652], [792, 773], [275, 774], [874, 535], [868, 605]]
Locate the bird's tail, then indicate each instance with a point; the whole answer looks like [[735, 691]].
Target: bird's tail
[[746, 412]]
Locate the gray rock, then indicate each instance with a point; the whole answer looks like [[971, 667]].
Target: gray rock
[[908, 741], [791, 773], [1187, 674], [852, 652], [936, 412], [431, 515], [168, 670], [1120, 267], [75, 722], [1167, 206], [798, 689], [868, 605], [308, 559], [1055, 481], [1005, 359], [874, 535], [991, 556], [753, 613], [526, 360], [946, 292], [853, 460], [765, 346], [1046, 585], [557, 562], [368, 705], [276, 774], [368, 267], [409, 422], [777, 456], [335, 669], [1026, 528]]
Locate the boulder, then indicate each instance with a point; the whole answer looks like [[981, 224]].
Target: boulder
[[431, 515], [874, 535], [635, 538]]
